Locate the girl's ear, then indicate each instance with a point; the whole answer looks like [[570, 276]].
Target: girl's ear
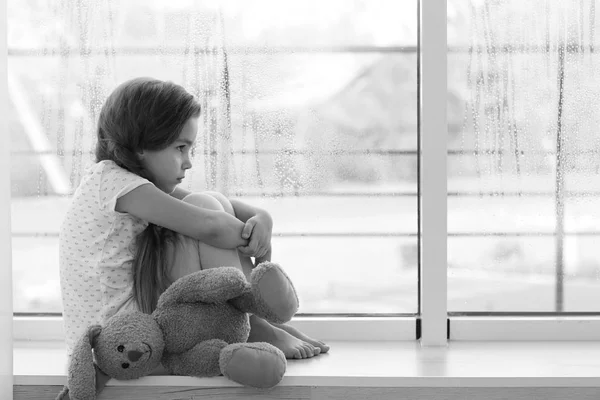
[[82, 374]]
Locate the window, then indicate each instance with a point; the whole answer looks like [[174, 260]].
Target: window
[[298, 118], [522, 162], [313, 111], [523, 157]]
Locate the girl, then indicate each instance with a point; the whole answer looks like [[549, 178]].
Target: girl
[[131, 231]]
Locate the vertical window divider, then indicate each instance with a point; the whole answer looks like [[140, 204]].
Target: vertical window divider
[[433, 138], [6, 318]]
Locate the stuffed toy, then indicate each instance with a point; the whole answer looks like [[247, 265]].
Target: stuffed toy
[[199, 328]]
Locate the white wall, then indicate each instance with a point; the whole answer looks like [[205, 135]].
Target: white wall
[[6, 361]]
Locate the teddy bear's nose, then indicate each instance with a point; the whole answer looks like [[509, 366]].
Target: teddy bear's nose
[[134, 355]]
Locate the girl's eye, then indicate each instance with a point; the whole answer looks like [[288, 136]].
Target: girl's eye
[[180, 148]]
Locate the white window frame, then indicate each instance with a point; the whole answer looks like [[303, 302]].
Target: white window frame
[[431, 327], [433, 209], [6, 320], [525, 328], [48, 328]]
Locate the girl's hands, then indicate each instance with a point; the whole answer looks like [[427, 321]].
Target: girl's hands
[[258, 229], [266, 257]]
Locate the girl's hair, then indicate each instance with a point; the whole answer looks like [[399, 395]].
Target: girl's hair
[[145, 114]]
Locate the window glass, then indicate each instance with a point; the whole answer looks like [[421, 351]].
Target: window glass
[[309, 110], [523, 161]]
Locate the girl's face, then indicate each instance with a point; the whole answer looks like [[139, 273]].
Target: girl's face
[[167, 167]]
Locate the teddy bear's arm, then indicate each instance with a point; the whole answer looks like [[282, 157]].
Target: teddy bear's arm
[[272, 295], [215, 285]]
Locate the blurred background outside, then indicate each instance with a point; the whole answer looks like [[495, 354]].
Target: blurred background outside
[[310, 111]]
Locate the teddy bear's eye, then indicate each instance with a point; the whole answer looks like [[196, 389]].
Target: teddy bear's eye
[[120, 348], [125, 365]]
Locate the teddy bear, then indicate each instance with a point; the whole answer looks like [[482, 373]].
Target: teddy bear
[[199, 328]]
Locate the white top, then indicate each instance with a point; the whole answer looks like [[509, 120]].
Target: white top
[[96, 249]]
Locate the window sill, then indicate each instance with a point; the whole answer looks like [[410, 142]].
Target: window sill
[[363, 365]]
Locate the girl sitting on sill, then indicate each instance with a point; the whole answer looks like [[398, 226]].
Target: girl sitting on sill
[[131, 231]]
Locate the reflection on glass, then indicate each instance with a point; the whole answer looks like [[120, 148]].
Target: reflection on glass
[[523, 169], [309, 109]]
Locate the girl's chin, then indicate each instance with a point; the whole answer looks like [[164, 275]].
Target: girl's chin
[[168, 189]]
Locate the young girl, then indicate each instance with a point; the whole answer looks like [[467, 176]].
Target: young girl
[[131, 231]]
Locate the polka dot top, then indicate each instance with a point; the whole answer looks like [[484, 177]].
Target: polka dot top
[[96, 249]]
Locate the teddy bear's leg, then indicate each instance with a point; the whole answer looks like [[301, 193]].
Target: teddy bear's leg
[[272, 295], [201, 360], [258, 365]]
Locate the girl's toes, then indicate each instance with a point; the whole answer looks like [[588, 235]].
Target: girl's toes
[[324, 348], [309, 350], [312, 350]]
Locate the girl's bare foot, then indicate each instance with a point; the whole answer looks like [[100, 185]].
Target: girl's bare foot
[[296, 333], [292, 347]]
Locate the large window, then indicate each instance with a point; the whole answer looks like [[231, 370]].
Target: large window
[[321, 112], [309, 111]]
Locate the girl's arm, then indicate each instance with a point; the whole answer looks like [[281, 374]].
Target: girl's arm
[[242, 210], [245, 211], [216, 228], [258, 228]]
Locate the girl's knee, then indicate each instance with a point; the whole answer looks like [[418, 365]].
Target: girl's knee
[[204, 200], [224, 201]]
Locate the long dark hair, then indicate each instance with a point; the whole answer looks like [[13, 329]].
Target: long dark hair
[[145, 114]]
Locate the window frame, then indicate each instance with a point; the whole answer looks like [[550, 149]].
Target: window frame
[[433, 325], [433, 209], [344, 328], [524, 328], [6, 307]]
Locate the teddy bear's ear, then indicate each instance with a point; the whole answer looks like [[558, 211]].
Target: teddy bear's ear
[[82, 373]]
